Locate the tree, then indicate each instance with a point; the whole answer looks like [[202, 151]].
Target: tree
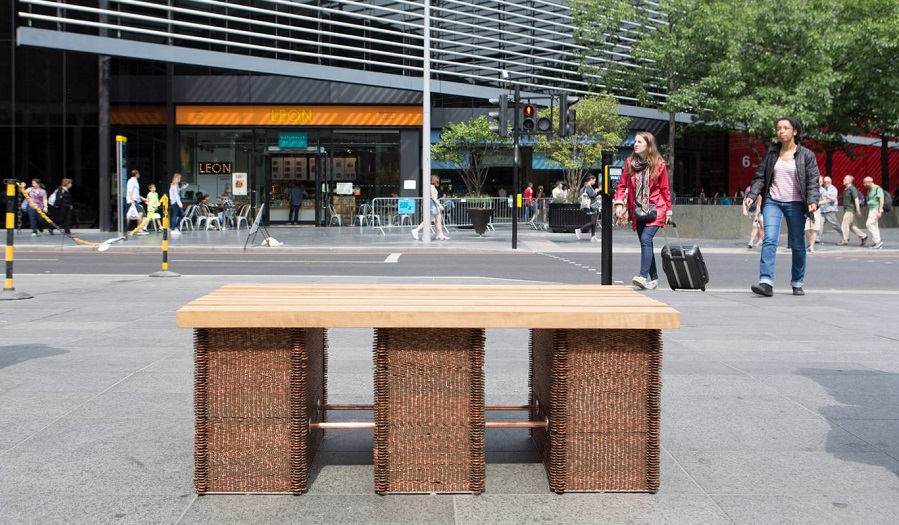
[[671, 49], [467, 145], [777, 62], [599, 128]]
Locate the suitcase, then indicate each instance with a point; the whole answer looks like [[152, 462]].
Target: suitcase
[[684, 266]]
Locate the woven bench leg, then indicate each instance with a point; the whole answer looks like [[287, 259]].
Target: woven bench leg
[[429, 410], [601, 391], [256, 391]]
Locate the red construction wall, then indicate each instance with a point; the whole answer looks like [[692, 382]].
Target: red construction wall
[[743, 161]]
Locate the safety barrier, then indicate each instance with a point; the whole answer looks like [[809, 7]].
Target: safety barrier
[[384, 213]]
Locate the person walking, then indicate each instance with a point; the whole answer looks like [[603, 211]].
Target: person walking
[[787, 178], [851, 209], [828, 208], [591, 210], [134, 199], [874, 198], [814, 223], [529, 209], [177, 205], [644, 182], [65, 205], [153, 207], [436, 209], [39, 196], [754, 211]]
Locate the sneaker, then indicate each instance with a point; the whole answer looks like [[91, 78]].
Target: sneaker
[[810, 249], [33, 234], [844, 242], [640, 282], [877, 246], [864, 240], [594, 239], [415, 235], [578, 233], [763, 289], [142, 232], [797, 290], [653, 284], [176, 232], [749, 246]]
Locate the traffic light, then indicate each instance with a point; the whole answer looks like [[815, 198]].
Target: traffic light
[[528, 114], [531, 123], [501, 127], [567, 116]]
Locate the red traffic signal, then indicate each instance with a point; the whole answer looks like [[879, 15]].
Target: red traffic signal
[[529, 111]]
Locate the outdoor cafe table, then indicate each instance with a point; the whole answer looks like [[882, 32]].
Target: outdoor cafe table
[[261, 382]]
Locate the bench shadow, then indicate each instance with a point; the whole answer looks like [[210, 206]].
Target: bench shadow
[[15, 354], [860, 413]]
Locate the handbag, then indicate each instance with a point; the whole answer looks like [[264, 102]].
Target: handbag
[[645, 214], [585, 201]]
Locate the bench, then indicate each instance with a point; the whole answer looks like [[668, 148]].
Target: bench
[[261, 382]]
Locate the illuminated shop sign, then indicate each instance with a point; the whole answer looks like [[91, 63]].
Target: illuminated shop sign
[[292, 140], [214, 168]]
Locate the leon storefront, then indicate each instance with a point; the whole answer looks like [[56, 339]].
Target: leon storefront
[[341, 156]]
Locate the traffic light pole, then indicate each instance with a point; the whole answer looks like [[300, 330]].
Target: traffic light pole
[[516, 169], [606, 225]]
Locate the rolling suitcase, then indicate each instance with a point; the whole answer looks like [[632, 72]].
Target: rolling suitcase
[[684, 266]]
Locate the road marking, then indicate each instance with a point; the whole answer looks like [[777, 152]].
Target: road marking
[[392, 258], [279, 261]]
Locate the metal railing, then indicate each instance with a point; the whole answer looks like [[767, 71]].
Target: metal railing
[[399, 212]]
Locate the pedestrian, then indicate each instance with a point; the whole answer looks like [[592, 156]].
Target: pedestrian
[[436, 209], [591, 208], [754, 212], [851, 209], [874, 197], [295, 200], [787, 178], [39, 196], [133, 199], [558, 193], [177, 206], [644, 184], [828, 208], [813, 223], [530, 211], [540, 204], [153, 206], [65, 205]]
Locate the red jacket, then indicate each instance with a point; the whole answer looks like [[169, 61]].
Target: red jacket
[[659, 194]]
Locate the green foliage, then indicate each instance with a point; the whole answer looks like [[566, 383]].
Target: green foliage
[[467, 144], [599, 128]]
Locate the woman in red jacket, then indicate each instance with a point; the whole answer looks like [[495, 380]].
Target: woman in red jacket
[[644, 181]]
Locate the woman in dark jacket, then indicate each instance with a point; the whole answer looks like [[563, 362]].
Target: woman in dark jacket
[[787, 178], [592, 210], [66, 205]]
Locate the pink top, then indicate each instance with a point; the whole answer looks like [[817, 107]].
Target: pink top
[[784, 186]]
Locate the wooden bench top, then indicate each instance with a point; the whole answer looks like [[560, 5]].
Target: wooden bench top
[[426, 306]]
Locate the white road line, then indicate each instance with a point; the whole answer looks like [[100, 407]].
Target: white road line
[[392, 258]]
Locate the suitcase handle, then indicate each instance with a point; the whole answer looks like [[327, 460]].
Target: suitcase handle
[[665, 235]]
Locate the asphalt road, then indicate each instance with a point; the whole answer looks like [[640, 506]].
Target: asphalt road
[[862, 271]]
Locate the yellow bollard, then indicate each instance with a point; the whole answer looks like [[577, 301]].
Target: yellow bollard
[[9, 292], [164, 204]]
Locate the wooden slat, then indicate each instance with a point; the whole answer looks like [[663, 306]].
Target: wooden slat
[[412, 306]]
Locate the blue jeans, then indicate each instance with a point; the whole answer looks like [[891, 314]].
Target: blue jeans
[[647, 258], [773, 213]]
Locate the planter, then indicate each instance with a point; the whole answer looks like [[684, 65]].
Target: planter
[[564, 217], [479, 218]]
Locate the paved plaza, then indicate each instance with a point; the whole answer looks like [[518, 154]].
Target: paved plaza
[[780, 410]]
